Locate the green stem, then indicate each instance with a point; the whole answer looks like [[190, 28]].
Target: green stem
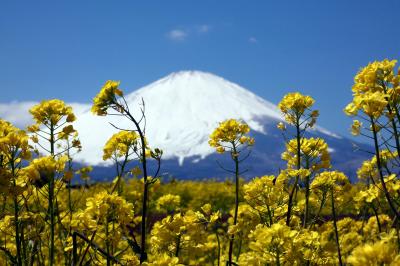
[[307, 207], [269, 215], [336, 230], [16, 224], [240, 247], [396, 112], [319, 210], [377, 218], [232, 238], [178, 244], [107, 242], [51, 201], [143, 254], [381, 177], [219, 248], [291, 194], [278, 261]]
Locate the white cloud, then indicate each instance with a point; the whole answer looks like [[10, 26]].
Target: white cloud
[[18, 112], [177, 35], [203, 28], [253, 40]]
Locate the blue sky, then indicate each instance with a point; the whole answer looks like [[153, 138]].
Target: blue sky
[[67, 49]]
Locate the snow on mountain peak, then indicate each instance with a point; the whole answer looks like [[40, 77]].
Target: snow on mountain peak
[[181, 109]]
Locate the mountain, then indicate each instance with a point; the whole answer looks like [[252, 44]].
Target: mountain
[[182, 109]]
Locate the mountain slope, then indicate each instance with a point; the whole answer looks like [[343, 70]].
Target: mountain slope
[[182, 110]]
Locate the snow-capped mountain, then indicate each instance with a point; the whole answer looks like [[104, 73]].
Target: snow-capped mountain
[[181, 111], [183, 108]]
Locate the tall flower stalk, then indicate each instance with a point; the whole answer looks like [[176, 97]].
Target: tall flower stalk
[[111, 97], [53, 123], [331, 183], [231, 136], [375, 102], [14, 147], [304, 156], [122, 148]]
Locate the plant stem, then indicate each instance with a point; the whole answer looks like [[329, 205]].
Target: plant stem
[[51, 200], [377, 218], [16, 222], [396, 111], [379, 165], [335, 226], [219, 248], [291, 194], [143, 254], [178, 243], [236, 160], [307, 208]]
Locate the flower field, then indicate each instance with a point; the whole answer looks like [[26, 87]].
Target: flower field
[[308, 214]]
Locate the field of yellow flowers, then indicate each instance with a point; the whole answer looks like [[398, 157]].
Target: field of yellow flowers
[[308, 214]]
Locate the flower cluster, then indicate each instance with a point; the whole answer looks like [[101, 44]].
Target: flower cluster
[[103, 208], [375, 91], [271, 244], [106, 98], [51, 112], [373, 104], [313, 151], [230, 132], [294, 105], [13, 143], [329, 180], [168, 203], [376, 76], [267, 196], [121, 144]]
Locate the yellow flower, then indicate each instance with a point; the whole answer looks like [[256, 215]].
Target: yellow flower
[[44, 168], [376, 87], [293, 106], [13, 143], [106, 98], [315, 150], [168, 203], [51, 112], [329, 180], [356, 127], [84, 172], [281, 126], [206, 208], [165, 260], [266, 194], [130, 260], [370, 78], [35, 138], [272, 243], [33, 128], [230, 132], [369, 168], [368, 195], [220, 149], [383, 252], [98, 209], [121, 144], [302, 173], [147, 153]]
